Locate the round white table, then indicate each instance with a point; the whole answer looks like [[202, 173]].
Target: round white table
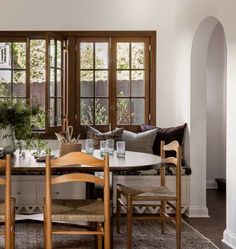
[[132, 161]]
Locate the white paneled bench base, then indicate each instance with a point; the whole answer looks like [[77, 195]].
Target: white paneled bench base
[[28, 190], [142, 180]]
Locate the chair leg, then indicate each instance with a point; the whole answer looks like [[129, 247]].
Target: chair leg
[[99, 237], [13, 230], [178, 226], [118, 211], [129, 222], [162, 214], [13, 236], [13, 233], [44, 231], [47, 233]]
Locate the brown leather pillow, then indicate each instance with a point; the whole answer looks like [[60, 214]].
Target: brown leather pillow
[[98, 136], [165, 134]]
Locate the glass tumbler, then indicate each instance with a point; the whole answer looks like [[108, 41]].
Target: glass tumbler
[[89, 146], [120, 147], [110, 146], [103, 148]]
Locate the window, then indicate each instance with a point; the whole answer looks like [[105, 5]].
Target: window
[[93, 82], [114, 82], [23, 77], [104, 79], [13, 73], [132, 81], [56, 81]]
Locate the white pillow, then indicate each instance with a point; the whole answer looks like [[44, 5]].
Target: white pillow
[[140, 142]]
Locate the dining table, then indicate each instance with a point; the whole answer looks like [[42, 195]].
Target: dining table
[[28, 165]]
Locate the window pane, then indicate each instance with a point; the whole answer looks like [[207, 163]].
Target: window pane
[[59, 54], [59, 112], [86, 55], [123, 115], [19, 100], [137, 55], [101, 83], [59, 82], [37, 60], [5, 83], [137, 111], [101, 55], [123, 55], [52, 53], [52, 112], [19, 55], [123, 85], [137, 84], [86, 83], [19, 83], [37, 81], [52, 82], [37, 91], [101, 111], [38, 121], [5, 54], [86, 111], [37, 75]]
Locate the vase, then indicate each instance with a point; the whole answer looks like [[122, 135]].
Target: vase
[[7, 139]]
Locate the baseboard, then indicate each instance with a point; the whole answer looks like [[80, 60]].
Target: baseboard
[[229, 239], [211, 184], [197, 212]]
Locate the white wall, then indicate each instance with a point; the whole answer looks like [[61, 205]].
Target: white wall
[[216, 112]]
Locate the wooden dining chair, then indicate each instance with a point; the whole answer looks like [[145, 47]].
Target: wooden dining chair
[[89, 210], [7, 205], [150, 196]]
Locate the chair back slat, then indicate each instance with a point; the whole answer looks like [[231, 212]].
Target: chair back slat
[[2, 163], [172, 160], [171, 146], [76, 158], [2, 181], [77, 177]]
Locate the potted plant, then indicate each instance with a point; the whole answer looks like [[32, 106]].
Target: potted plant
[[15, 123]]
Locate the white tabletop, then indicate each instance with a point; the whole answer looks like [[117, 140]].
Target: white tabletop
[[132, 161]]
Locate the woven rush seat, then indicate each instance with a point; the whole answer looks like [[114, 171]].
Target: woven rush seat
[[147, 193], [78, 210], [3, 207]]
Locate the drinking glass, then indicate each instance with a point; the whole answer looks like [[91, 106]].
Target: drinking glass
[[89, 146], [110, 146], [120, 147], [103, 148]]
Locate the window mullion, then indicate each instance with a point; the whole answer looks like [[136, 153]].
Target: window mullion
[[94, 85], [28, 69], [12, 71]]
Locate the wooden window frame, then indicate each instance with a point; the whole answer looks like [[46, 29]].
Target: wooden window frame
[[70, 108]]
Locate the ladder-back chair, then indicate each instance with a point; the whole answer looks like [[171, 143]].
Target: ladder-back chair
[[150, 196], [7, 205], [70, 211]]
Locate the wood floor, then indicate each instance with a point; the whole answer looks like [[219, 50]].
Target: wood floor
[[214, 226]]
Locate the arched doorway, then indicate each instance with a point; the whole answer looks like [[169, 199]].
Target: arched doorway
[[200, 94], [216, 108]]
